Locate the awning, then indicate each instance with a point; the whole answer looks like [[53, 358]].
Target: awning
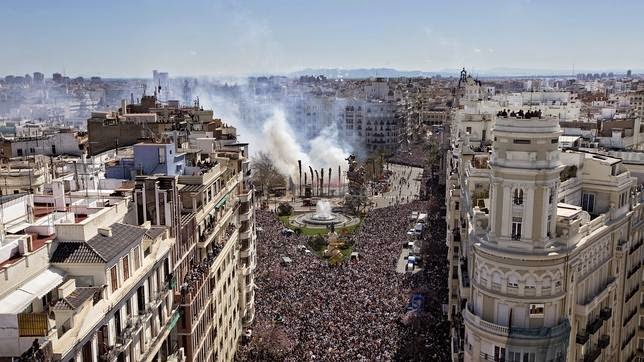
[[44, 282], [41, 284], [15, 302], [222, 201], [17, 227]]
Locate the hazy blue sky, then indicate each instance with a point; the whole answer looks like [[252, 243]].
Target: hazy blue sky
[[208, 37]]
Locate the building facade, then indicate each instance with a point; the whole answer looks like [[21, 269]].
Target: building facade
[[545, 246]]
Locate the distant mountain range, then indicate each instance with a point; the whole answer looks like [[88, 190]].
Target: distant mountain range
[[363, 73], [335, 73]]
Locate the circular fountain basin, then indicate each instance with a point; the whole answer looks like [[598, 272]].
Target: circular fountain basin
[[314, 220]]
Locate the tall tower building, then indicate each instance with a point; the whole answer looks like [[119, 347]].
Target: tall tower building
[[505, 315]]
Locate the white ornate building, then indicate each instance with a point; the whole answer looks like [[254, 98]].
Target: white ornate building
[[545, 247]]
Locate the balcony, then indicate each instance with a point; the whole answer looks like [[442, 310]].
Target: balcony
[[604, 341], [628, 339], [634, 270], [582, 337], [245, 235], [33, 325], [635, 247], [245, 216], [596, 300], [123, 339], [629, 317], [201, 176], [632, 293], [606, 313], [557, 332], [593, 327], [246, 195], [464, 276], [457, 235], [592, 355], [207, 237]]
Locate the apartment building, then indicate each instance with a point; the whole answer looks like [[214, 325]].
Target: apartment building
[[24, 174], [79, 282], [376, 125], [545, 246], [202, 193], [159, 268]]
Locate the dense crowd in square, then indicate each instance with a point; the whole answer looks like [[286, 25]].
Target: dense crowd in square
[[307, 310]]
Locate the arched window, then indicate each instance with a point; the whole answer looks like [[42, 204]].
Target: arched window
[[530, 282], [483, 276], [496, 280], [517, 198], [513, 281], [546, 285]]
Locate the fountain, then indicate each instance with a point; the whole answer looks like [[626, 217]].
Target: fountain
[[323, 211], [323, 217]]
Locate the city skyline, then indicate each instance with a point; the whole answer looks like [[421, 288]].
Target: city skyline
[[231, 38]]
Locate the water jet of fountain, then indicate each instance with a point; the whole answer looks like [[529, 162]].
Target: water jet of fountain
[[323, 211]]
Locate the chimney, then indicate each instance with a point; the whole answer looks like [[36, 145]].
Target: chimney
[[67, 288], [107, 232], [25, 245], [58, 190]]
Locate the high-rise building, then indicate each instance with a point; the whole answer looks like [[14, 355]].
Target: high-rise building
[[39, 78], [545, 246], [160, 269]]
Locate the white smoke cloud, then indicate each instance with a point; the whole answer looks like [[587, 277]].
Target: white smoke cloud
[[267, 128]]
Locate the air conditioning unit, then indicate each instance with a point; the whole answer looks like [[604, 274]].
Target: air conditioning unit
[[25, 245]]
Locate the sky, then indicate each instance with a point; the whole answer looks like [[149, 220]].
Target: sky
[[223, 38]]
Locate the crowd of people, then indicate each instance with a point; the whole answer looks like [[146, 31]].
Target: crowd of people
[[415, 156], [306, 310]]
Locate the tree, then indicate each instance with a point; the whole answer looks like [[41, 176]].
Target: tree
[[284, 209], [265, 175]]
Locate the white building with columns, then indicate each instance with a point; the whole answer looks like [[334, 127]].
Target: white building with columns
[[545, 247]]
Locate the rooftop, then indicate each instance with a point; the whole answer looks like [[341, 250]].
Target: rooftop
[[102, 248]]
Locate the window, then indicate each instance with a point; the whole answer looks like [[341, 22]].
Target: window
[[529, 357], [530, 283], [516, 228], [536, 310], [513, 282], [548, 228], [137, 258], [19, 152], [554, 140], [514, 356], [622, 199], [521, 142], [588, 202], [517, 198], [499, 354], [126, 267], [161, 155], [468, 130], [114, 278], [551, 196]]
